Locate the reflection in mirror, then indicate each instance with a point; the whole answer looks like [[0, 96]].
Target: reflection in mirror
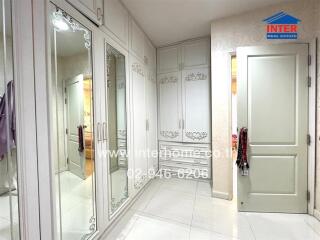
[[72, 127], [117, 128], [9, 210]]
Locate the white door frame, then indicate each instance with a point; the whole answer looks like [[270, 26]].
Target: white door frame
[[312, 121], [312, 126]]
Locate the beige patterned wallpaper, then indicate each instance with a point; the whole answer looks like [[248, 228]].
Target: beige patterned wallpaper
[[227, 34]]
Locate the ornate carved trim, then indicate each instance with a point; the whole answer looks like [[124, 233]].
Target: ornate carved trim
[[196, 77], [116, 204], [62, 15], [169, 134], [136, 67], [168, 79], [122, 132], [196, 135]]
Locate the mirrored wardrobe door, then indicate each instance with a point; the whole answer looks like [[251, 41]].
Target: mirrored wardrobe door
[[9, 210], [72, 128], [117, 128]]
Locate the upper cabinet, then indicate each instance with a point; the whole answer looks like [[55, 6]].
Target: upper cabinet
[[93, 9], [188, 55], [149, 55], [137, 39], [195, 54], [168, 59], [116, 20]]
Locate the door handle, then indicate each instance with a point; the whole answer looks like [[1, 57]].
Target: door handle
[[182, 123], [179, 123]]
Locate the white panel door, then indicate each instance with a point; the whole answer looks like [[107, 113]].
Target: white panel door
[[139, 122], [168, 59], [137, 40], [75, 118], [93, 9], [152, 140], [273, 105], [116, 19], [196, 105], [196, 54], [169, 104]]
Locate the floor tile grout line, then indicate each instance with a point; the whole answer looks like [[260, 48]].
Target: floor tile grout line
[[159, 218], [251, 227], [194, 205], [309, 225]]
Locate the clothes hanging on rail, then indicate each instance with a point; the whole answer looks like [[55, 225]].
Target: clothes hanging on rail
[[7, 120]]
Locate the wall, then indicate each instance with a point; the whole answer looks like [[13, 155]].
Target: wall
[[227, 34]]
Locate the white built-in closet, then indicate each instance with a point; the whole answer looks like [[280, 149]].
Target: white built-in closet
[[110, 108], [183, 75], [111, 90]]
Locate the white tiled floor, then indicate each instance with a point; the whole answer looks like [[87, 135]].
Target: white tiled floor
[[177, 209], [5, 227], [76, 205]]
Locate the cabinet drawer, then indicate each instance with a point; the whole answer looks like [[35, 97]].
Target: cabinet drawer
[[193, 161], [122, 143], [184, 150], [187, 169]]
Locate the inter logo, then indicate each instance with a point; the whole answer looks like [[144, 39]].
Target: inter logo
[[282, 26]]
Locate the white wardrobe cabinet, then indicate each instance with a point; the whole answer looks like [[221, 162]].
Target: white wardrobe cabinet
[[137, 39], [151, 113], [184, 95], [138, 85], [116, 20], [93, 9], [170, 108], [184, 117], [196, 105]]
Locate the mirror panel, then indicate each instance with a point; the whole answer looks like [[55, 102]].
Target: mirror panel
[[72, 126], [9, 207], [117, 128]]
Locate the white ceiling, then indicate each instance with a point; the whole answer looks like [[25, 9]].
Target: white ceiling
[[169, 21]]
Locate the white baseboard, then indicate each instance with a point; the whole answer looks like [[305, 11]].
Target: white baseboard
[[222, 195], [122, 212]]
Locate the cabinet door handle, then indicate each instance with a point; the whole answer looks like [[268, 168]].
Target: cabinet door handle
[[104, 131], [147, 125], [99, 132], [182, 123], [179, 123]]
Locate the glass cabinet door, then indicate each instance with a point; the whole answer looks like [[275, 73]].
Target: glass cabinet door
[[9, 210], [72, 135], [117, 128]]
